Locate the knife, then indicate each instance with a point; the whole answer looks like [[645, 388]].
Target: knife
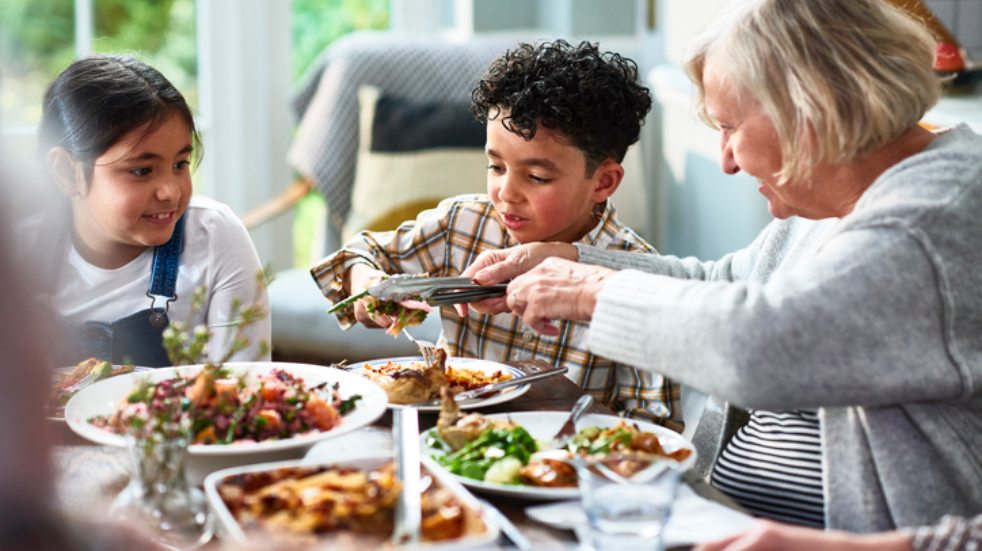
[[509, 530], [408, 513], [494, 387]]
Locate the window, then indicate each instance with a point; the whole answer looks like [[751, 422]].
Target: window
[[38, 38], [317, 23]]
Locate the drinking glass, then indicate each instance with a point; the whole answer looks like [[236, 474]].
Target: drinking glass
[[159, 497], [627, 512]]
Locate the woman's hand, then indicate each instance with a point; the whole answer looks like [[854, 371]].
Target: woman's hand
[[502, 265], [556, 289], [766, 536]]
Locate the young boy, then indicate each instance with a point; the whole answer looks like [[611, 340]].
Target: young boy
[[559, 121]]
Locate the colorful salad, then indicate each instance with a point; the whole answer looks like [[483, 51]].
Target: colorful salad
[[218, 407]]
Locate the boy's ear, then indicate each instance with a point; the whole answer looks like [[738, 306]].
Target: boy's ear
[[67, 174], [608, 177]]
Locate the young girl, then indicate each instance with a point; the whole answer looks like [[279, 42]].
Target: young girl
[[118, 139]]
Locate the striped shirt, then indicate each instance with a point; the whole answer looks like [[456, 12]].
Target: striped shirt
[[444, 241], [951, 534], [773, 467]]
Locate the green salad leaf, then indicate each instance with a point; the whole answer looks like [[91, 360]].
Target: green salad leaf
[[492, 446]]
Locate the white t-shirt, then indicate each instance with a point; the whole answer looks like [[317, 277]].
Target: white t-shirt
[[218, 253]]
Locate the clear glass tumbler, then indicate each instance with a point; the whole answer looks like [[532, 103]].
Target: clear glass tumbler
[[627, 513]]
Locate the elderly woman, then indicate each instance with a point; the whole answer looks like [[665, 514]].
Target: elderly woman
[[860, 356]]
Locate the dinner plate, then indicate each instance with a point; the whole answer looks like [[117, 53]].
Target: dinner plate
[[542, 425], [59, 371], [101, 398], [474, 364], [693, 520]]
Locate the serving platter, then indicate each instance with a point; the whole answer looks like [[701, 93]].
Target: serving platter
[[542, 425], [473, 364], [230, 529]]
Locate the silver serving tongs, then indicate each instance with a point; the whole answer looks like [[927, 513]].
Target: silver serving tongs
[[438, 291], [408, 513]]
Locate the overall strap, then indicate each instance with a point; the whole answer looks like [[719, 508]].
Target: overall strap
[[163, 274]]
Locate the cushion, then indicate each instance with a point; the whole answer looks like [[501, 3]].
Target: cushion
[[411, 155]]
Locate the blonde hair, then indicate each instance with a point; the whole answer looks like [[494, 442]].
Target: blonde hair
[[847, 76]]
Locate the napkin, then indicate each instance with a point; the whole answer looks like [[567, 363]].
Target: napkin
[[694, 519]]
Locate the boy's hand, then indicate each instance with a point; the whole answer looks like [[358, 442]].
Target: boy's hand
[[361, 277], [556, 289], [501, 265]]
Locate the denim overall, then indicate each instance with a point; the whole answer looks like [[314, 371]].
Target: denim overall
[[137, 338]]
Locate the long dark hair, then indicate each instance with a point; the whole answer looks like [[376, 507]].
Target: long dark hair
[[99, 99]]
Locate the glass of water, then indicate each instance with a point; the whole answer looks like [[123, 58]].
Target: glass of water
[[627, 512]]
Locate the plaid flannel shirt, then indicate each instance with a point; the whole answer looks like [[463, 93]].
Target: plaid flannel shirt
[[443, 242]]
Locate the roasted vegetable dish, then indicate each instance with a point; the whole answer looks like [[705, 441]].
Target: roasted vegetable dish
[[325, 501], [414, 382]]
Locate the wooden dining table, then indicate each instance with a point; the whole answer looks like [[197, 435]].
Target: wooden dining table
[[89, 476]]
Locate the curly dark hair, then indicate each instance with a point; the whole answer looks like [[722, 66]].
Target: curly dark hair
[[592, 98]]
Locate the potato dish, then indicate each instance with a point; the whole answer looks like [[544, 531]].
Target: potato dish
[[339, 504]]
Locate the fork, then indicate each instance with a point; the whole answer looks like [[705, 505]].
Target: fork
[[85, 381], [426, 348], [568, 430]]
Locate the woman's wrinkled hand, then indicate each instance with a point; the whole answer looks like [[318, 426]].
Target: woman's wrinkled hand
[[556, 289], [766, 535], [502, 265]]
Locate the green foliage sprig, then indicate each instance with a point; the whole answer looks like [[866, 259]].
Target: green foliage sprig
[[186, 345]]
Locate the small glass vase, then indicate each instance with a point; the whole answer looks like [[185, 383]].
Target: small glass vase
[[158, 496]]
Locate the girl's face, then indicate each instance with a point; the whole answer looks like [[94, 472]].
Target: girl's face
[[540, 188], [140, 187]]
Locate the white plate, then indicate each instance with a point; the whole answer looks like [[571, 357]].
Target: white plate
[[694, 519], [542, 425], [473, 364], [59, 371], [102, 397], [230, 529]]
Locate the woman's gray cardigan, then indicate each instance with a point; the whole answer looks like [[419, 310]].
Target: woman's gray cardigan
[[875, 319]]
